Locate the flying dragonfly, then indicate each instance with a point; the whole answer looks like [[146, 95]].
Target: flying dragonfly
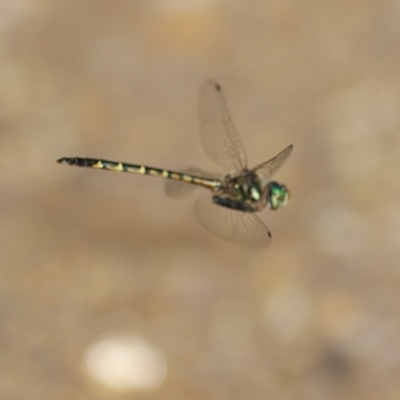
[[228, 206]]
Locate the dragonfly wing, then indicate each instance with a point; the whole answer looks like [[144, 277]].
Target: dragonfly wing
[[267, 168], [176, 189], [244, 228], [219, 138]]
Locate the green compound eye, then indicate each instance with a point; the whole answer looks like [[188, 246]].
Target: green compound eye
[[278, 195]]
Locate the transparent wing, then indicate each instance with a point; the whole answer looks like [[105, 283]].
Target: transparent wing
[[267, 168], [176, 189], [219, 138], [240, 227]]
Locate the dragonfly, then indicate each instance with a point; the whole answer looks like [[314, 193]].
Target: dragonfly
[[228, 205]]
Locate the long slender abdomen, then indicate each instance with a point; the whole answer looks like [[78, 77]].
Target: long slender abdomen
[[139, 169]]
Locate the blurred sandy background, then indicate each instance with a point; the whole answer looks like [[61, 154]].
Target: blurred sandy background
[[111, 290]]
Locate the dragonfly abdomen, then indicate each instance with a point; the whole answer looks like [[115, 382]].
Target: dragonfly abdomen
[[118, 166]]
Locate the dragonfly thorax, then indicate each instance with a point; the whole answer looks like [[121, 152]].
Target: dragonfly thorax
[[244, 192]]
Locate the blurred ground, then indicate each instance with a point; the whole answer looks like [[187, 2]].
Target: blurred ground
[[92, 258]]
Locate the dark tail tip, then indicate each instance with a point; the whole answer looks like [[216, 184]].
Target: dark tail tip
[[66, 160], [69, 160]]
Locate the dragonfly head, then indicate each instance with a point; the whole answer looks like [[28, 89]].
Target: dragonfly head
[[278, 195]]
